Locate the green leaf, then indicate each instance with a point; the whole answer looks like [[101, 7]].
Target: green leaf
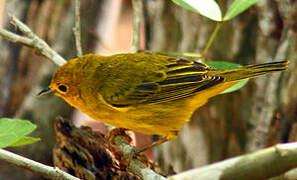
[[178, 54], [237, 7], [207, 8], [224, 66], [25, 141], [236, 87], [12, 130]]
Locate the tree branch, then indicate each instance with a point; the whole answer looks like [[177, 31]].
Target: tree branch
[[289, 175], [45, 171], [16, 38], [137, 14], [77, 29], [262, 164], [31, 40], [135, 165]]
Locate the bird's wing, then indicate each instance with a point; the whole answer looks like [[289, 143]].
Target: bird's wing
[[183, 78]]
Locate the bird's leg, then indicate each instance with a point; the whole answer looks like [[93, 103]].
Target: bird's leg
[[171, 136], [153, 144]]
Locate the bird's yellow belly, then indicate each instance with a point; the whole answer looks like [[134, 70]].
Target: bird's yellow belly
[[158, 119], [163, 119]]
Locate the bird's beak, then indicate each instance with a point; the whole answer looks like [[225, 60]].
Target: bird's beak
[[46, 91]]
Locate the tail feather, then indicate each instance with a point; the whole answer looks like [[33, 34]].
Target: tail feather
[[252, 71], [272, 65]]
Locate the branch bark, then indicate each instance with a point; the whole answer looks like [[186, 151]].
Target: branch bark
[[45, 171], [262, 164], [77, 29], [137, 15], [135, 165], [31, 40]]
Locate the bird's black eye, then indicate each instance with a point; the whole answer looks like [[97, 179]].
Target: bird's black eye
[[63, 88]]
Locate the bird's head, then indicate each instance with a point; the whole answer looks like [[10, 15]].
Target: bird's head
[[66, 81]]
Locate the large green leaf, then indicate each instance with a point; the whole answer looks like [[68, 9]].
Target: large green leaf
[[237, 7], [207, 8], [227, 65], [12, 130]]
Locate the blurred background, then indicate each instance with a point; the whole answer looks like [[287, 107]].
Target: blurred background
[[261, 114]]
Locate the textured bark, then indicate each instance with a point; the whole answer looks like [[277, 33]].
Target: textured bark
[[260, 114], [87, 154]]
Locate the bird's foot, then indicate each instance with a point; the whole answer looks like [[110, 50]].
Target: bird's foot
[[117, 132]]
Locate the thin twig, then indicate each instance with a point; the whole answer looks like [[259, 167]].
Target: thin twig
[[45, 171], [31, 40], [12, 37], [137, 14], [77, 29]]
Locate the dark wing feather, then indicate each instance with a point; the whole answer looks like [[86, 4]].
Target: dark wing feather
[[183, 78]]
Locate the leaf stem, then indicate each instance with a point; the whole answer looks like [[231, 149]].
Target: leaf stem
[[212, 37]]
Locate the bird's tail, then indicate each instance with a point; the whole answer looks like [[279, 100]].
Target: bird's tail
[[251, 71]]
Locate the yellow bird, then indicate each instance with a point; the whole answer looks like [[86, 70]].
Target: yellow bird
[[147, 93]]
